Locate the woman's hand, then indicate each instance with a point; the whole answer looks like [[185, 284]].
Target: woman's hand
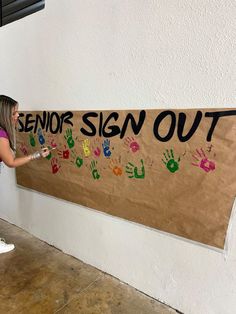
[[44, 152]]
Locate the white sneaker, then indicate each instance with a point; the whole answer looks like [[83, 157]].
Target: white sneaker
[[4, 247]]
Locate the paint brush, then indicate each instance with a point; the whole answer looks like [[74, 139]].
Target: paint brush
[[49, 148]]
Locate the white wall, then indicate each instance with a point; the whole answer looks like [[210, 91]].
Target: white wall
[[115, 54]]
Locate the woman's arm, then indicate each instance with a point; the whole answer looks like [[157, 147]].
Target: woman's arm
[[8, 158]]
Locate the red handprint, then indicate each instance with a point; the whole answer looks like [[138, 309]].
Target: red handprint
[[64, 154], [23, 149], [55, 165]]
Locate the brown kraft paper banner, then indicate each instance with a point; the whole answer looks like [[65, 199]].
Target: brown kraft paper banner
[[172, 170]]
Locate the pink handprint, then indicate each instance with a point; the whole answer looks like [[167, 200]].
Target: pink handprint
[[51, 139], [203, 162], [64, 154], [132, 144], [23, 149], [55, 165], [96, 148]]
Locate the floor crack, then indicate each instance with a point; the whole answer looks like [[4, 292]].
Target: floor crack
[[81, 291]]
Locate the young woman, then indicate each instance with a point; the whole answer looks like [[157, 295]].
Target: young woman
[[8, 120]]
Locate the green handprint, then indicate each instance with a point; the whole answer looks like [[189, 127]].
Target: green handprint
[[32, 139], [69, 138], [132, 171], [171, 164], [76, 159], [79, 162], [49, 156], [94, 170]]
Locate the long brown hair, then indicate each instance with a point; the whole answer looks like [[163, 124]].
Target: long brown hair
[[7, 105]]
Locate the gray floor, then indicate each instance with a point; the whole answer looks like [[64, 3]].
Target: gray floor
[[37, 278]]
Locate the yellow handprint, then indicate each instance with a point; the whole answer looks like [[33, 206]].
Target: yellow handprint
[[86, 148]]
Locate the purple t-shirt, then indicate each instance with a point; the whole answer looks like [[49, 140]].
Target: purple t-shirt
[[3, 133]]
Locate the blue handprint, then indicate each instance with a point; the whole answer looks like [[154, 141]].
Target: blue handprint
[[40, 136], [106, 148]]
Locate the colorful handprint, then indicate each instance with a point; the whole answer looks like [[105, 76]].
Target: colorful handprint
[[203, 162], [115, 166], [96, 148], [132, 144], [94, 170], [32, 139], [133, 171], [77, 160], [106, 148], [24, 149], [49, 156], [86, 148], [171, 164], [69, 139], [41, 138], [51, 140], [55, 165], [64, 154]]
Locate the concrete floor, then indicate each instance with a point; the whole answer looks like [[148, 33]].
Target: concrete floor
[[37, 278]]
